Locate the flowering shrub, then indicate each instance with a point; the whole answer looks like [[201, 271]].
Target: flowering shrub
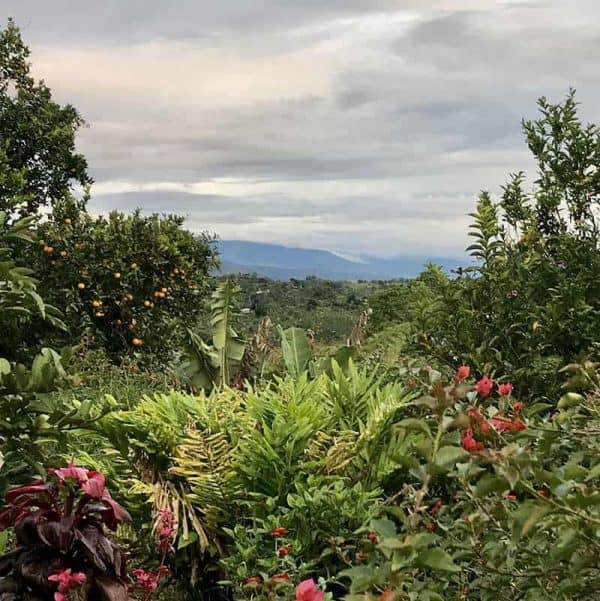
[[497, 496]]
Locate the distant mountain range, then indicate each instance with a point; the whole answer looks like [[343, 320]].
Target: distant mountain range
[[283, 262]]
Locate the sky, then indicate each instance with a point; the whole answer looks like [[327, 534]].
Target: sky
[[359, 126]]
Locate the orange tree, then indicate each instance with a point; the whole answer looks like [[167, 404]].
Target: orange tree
[[130, 282]]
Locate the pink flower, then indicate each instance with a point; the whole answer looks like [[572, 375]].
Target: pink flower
[[462, 373], [484, 386], [66, 580], [146, 580], [308, 590], [505, 389], [518, 406], [166, 529]]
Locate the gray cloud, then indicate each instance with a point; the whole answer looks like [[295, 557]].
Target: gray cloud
[[358, 125]]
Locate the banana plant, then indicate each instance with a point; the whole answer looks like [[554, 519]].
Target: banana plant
[[298, 356], [207, 366]]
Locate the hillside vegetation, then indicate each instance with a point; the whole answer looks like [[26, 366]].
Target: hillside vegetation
[[165, 434]]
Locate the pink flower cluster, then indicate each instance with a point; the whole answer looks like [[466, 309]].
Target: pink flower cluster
[[148, 580], [166, 529], [66, 581], [308, 590]]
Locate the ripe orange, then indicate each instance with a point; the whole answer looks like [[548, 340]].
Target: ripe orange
[[63, 253], [147, 303], [99, 314], [137, 342], [96, 303], [48, 250], [68, 221], [117, 275], [81, 285], [134, 266]]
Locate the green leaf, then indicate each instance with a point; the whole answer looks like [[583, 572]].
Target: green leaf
[[296, 350], [5, 368], [383, 527], [437, 559], [447, 456]]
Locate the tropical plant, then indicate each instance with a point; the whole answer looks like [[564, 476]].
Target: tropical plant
[[205, 366], [310, 454], [60, 537]]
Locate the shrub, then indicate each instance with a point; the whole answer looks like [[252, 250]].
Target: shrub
[[531, 305], [497, 496]]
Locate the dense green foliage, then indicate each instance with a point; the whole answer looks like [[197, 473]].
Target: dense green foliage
[[128, 281], [38, 162], [329, 309], [531, 304]]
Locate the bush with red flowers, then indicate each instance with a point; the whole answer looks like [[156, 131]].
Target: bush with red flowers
[[499, 495]]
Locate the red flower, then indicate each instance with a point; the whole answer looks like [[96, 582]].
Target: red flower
[[281, 577], [66, 580], [469, 443], [484, 428], [436, 508], [146, 580], [474, 414], [511, 497], [484, 386], [503, 424], [253, 580], [518, 406], [387, 595], [462, 373], [518, 424], [279, 532], [505, 389], [308, 590], [373, 537], [285, 550]]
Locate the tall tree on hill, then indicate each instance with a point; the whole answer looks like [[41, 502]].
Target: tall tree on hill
[[39, 165]]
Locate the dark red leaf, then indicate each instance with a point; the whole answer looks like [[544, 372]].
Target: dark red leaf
[[57, 535], [114, 514]]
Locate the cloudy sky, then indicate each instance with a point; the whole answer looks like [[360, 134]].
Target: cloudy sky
[[363, 126]]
